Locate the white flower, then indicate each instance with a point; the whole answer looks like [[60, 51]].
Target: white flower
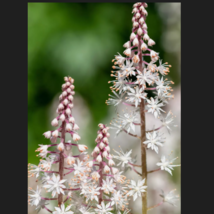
[[153, 140], [136, 189], [144, 46], [127, 45], [128, 69], [124, 158], [167, 121], [108, 185], [146, 37], [34, 196], [136, 95], [63, 210], [162, 86], [170, 197], [167, 164], [163, 68], [118, 200], [132, 36], [115, 100], [95, 175], [91, 192], [127, 52], [78, 167], [61, 147], [43, 150], [55, 133], [55, 185], [104, 209], [114, 125], [154, 106], [145, 77]]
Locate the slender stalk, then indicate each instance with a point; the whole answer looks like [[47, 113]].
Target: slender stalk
[[100, 183], [153, 170], [143, 135], [157, 205], [61, 162]]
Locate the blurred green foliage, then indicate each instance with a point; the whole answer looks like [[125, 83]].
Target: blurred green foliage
[[79, 40]]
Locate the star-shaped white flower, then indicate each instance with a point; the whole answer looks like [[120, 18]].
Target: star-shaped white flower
[[104, 209], [170, 197], [34, 196], [136, 95], [124, 158], [154, 106], [108, 185], [136, 188], [63, 210], [55, 185]]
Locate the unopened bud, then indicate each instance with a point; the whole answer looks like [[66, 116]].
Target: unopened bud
[[71, 120], [75, 127], [111, 162], [135, 42], [132, 36], [151, 42], [144, 47], [101, 125], [76, 137], [139, 31], [68, 111], [64, 93], [106, 169], [99, 158], [55, 133], [127, 44], [102, 145], [146, 37], [70, 97], [127, 52], [65, 102], [54, 122], [47, 134], [61, 147], [68, 127], [82, 148], [62, 117]]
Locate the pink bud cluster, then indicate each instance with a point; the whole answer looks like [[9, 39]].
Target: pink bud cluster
[[64, 111]]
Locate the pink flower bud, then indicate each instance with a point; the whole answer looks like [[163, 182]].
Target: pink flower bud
[[114, 170], [153, 53], [99, 136], [68, 111], [72, 87], [137, 15], [102, 145], [75, 127], [111, 162], [99, 158], [145, 12], [104, 130], [141, 20], [132, 36], [144, 26], [61, 147], [144, 47], [65, 102], [71, 120], [127, 52], [70, 97], [47, 134], [151, 42], [107, 135], [65, 79], [139, 31], [71, 105], [53, 139], [76, 137], [97, 150], [106, 169], [105, 154], [68, 83], [62, 117], [55, 133], [63, 85], [135, 10], [127, 44], [68, 127], [61, 106], [64, 93], [105, 140], [136, 59], [142, 8], [101, 125], [110, 156], [54, 122], [70, 160], [68, 90], [135, 42], [135, 24], [146, 37], [108, 148], [60, 97], [82, 148]]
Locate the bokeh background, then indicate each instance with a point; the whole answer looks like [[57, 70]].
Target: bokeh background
[[80, 40]]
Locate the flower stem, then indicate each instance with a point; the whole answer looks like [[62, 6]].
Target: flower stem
[[61, 162], [100, 183], [155, 205], [143, 135]]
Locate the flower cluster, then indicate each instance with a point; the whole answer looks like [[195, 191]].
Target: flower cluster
[[138, 72]]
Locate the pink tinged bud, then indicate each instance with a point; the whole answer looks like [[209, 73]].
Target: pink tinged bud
[[127, 44], [61, 147], [71, 120], [76, 137], [106, 169], [107, 135], [114, 170], [142, 8], [72, 87], [137, 15], [68, 111], [99, 158], [76, 127], [144, 26], [145, 4], [68, 147], [65, 102], [107, 148], [62, 117], [65, 79], [54, 122], [90, 164], [105, 154], [111, 162], [102, 145], [68, 127], [97, 150], [95, 176], [82, 148], [105, 130], [151, 42], [53, 139], [153, 53], [71, 105], [47, 134], [139, 31], [141, 20], [70, 97], [60, 97], [144, 47], [101, 125], [68, 83], [135, 42], [64, 93], [105, 140], [73, 92], [135, 24], [127, 52], [133, 19], [146, 37], [145, 12], [68, 90], [55, 133], [110, 156], [136, 59], [61, 106], [70, 160], [99, 136], [135, 10], [64, 85], [132, 36]]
